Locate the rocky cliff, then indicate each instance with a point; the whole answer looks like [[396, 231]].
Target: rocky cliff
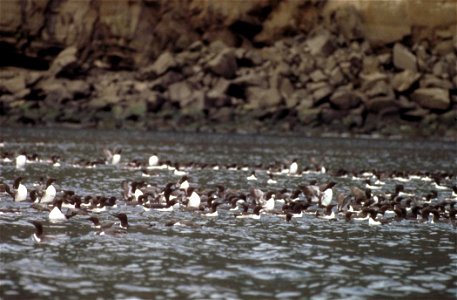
[[357, 66]]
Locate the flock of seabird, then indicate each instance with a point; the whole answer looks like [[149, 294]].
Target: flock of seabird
[[364, 202]]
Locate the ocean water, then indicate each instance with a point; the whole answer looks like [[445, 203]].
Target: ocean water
[[223, 257]]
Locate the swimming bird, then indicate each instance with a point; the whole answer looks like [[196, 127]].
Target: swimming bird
[[271, 180], [50, 192], [293, 168], [153, 160], [252, 176], [96, 223], [113, 158], [21, 159], [19, 192], [245, 215], [193, 198], [56, 214], [38, 236], [184, 183]]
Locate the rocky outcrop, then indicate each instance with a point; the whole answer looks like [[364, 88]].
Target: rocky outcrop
[[320, 78]]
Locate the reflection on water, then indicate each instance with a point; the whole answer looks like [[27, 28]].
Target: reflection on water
[[226, 257]]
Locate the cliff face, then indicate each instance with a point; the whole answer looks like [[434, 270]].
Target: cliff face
[[294, 63]]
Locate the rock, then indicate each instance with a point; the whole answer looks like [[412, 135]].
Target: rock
[[336, 77], [403, 58], [444, 47], [345, 99], [321, 43], [308, 116], [224, 64], [432, 98], [217, 97], [348, 22], [449, 118], [301, 97], [379, 104], [317, 75], [262, 98], [78, 88], [329, 115], [286, 88], [14, 85], [135, 109], [433, 81], [416, 114], [164, 63], [180, 92], [378, 88], [404, 80], [65, 61], [322, 93], [404, 103]]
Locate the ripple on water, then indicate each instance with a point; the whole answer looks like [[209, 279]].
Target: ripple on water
[[227, 258]]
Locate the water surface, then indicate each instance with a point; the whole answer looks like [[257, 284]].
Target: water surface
[[226, 257]]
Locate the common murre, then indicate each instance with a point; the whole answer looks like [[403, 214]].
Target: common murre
[[21, 159], [19, 192], [49, 193], [113, 158]]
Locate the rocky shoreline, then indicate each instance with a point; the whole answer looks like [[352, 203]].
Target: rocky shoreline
[[321, 83]]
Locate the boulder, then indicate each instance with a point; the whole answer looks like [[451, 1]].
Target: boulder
[[66, 60], [164, 62], [404, 80], [322, 93], [78, 88], [379, 104], [321, 43], [432, 98], [224, 64], [308, 115], [13, 85], [180, 92], [317, 75], [300, 97], [433, 81], [403, 58], [345, 99], [262, 98]]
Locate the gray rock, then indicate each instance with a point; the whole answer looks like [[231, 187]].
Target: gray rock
[[433, 81], [348, 22], [180, 92], [217, 97], [336, 77], [286, 88], [317, 75], [322, 93], [416, 114], [224, 64], [321, 44], [379, 104], [403, 58], [308, 116], [404, 80], [432, 98], [345, 99], [262, 98], [78, 88], [302, 98], [378, 88], [14, 85], [329, 115], [65, 59], [163, 63]]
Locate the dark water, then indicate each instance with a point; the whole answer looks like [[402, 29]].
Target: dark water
[[226, 258]]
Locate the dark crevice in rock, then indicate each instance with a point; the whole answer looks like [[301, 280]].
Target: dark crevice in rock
[[13, 58]]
